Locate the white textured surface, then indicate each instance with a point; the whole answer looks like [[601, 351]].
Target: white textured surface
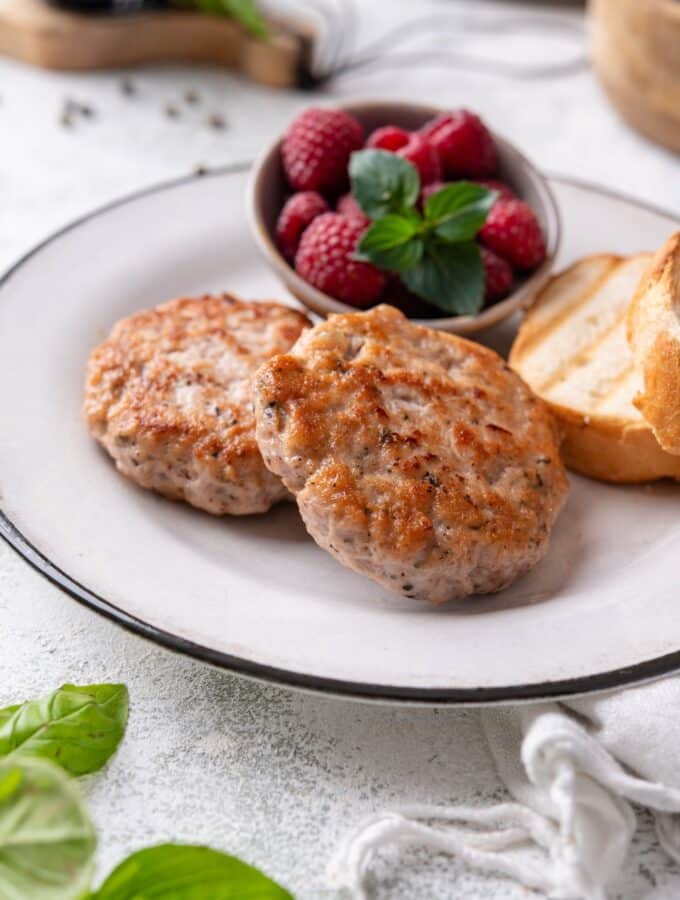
[[270, 775]]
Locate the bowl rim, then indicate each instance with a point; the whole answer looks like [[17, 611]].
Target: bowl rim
[[518, 300]]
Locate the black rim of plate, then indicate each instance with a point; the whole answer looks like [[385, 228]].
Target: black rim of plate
[[615, 678]]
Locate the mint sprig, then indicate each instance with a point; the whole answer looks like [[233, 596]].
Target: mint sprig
[[433, 252], [450, 276], [393, 243], [383, 182], [459, 210]]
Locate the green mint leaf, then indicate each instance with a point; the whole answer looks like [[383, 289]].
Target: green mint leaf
[[383, 182], [245, 12], [77, 727], [179, 872], [459, 210], [392, 243], [47, 840], [414, 217], [450, 276]]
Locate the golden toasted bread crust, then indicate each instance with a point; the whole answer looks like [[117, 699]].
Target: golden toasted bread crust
[[654, 337], [612, 449], [417, 458], [169, 396], [615, 448]]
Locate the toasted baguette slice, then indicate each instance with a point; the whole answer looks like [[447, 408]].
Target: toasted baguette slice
[[573, 352], [654, 338]]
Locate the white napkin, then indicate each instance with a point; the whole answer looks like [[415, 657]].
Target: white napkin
[[574, 769]]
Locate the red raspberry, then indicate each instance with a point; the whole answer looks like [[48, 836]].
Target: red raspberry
[[317, 146], [348, 206], [421, 153], [325, 260], [512, 231], [464, 144], [388, 138], [497, 276], [298, 211]]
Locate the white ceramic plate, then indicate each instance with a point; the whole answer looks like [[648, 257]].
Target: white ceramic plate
[[256, 595]]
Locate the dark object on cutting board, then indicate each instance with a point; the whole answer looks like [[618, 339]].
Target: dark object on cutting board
[[50, 36]]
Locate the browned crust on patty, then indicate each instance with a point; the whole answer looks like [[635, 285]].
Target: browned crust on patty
[[417, 458], [168, 395]]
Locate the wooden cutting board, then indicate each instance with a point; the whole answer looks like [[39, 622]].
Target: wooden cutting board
[[43, 36]]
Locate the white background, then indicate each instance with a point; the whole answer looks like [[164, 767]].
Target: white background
[[270, 775]]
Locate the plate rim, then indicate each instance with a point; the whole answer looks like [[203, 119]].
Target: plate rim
[[476, 696]]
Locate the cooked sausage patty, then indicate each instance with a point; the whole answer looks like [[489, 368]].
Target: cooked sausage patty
[[169, 396], [417, 458]]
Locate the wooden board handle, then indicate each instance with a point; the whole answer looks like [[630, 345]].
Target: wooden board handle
[[54, 39]]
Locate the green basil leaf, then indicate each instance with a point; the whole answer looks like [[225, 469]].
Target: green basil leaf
[[392, 243], [77, 727], [180, 872], [245, 12], [451, 276], [459, 210], [47, 840], [383, 182], [7, 713]]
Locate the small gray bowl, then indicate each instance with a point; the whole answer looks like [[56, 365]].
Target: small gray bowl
[[268, 189]]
